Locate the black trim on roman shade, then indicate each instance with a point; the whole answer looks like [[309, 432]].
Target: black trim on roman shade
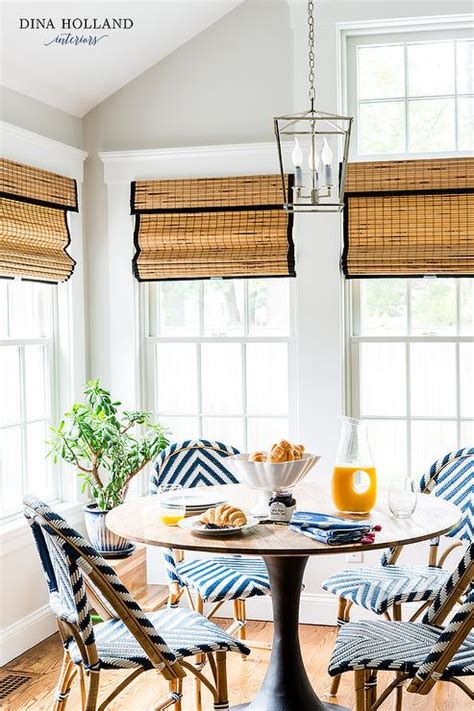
[[34, 232], [204, 228], [411, 218]]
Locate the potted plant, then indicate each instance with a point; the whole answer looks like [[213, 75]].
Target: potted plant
[[99, 442]]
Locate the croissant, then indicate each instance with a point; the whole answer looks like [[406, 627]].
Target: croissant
[[257, 457], [298, 451], [283, 451], [223, 516]]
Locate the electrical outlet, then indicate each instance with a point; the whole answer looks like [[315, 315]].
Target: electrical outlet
[[355, 557]]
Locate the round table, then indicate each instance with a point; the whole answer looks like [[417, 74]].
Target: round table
[[286, 686]]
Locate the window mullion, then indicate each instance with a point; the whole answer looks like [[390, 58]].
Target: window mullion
[[246, 308], [243, 356], [244, 393], [458, 392], [405, 71], [408, 299], [408, 406], [199, 385], [8, 310], [23, 431], [456, 98], [408, 377]]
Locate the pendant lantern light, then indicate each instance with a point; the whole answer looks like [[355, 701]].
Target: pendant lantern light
[[318, 144]]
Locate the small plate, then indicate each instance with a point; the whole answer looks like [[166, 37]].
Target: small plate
[[202, 500], [199, 529]]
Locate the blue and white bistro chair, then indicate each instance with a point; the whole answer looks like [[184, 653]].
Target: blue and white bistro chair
[[213, 579], [386, 587], [420, 653], [128, 639]]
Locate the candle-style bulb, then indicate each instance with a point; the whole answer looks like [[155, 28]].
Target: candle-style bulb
[[297, 154], [326, 153], [297, 158], [326, 158]]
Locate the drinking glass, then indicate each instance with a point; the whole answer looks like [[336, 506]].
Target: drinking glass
[[402, 497], [172, 504]]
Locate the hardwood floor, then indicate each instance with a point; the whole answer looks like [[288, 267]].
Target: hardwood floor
[[43, 662]]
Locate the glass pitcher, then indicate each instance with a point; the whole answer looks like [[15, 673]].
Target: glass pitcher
[[354, 481]]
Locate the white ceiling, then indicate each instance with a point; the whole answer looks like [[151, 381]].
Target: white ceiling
[[77, 78]]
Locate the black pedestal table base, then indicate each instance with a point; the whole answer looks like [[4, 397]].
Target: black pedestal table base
[[286, 686]]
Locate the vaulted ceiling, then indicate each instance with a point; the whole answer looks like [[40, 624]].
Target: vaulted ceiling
[[41, 57]]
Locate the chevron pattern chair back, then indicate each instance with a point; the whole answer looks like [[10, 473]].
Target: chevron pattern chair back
[[451, 478], [460, 581], [67, 559], [193, 463], [458, 628]]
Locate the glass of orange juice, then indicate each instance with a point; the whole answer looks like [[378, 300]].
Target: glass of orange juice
[[172, 504], [354, 480]]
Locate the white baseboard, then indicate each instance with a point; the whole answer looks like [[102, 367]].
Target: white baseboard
[[25, 633], [315, 609]]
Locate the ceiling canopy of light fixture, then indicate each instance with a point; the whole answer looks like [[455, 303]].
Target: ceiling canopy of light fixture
[[320, 149]]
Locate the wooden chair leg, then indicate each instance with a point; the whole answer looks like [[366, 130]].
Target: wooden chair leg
[[397, 616], [397, 613], [176, 689], [398, 705], [222, 701], [370, 688], [174, 594], [240, 619], [82, 686], [92, 690], [64, 683], [341, 619], [359, 678], [199, 607]]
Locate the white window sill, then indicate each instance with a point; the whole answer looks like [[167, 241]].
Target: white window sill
[[16, 533]]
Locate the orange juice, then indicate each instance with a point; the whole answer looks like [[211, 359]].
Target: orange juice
[[354, 488], [171, 519]]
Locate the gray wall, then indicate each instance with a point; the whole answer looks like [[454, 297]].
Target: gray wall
[[223, 86], [38, 117]]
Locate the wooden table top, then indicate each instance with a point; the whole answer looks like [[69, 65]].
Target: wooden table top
[[138, 520]]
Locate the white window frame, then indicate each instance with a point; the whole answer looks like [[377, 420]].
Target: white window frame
[[51, 345], [149, 366], [68, 371], [422, 29], [353, 339]]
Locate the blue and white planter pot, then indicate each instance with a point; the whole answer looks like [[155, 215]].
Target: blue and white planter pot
[[108, 544]]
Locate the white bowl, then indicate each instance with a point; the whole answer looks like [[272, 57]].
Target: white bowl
[[271, 476]]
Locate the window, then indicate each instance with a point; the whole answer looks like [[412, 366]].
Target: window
[[28, 316], [218, 356], [410, 371], [412, 358], [411, 93]]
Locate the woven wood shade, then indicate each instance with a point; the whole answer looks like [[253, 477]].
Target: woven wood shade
[[211, 227], [34, 232], [409, 218]]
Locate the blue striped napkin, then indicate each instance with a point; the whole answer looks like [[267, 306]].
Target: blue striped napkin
[[332, 530]]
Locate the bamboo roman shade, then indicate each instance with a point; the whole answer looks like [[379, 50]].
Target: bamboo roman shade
[[34, 233], [211, 227], [409, 218]]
